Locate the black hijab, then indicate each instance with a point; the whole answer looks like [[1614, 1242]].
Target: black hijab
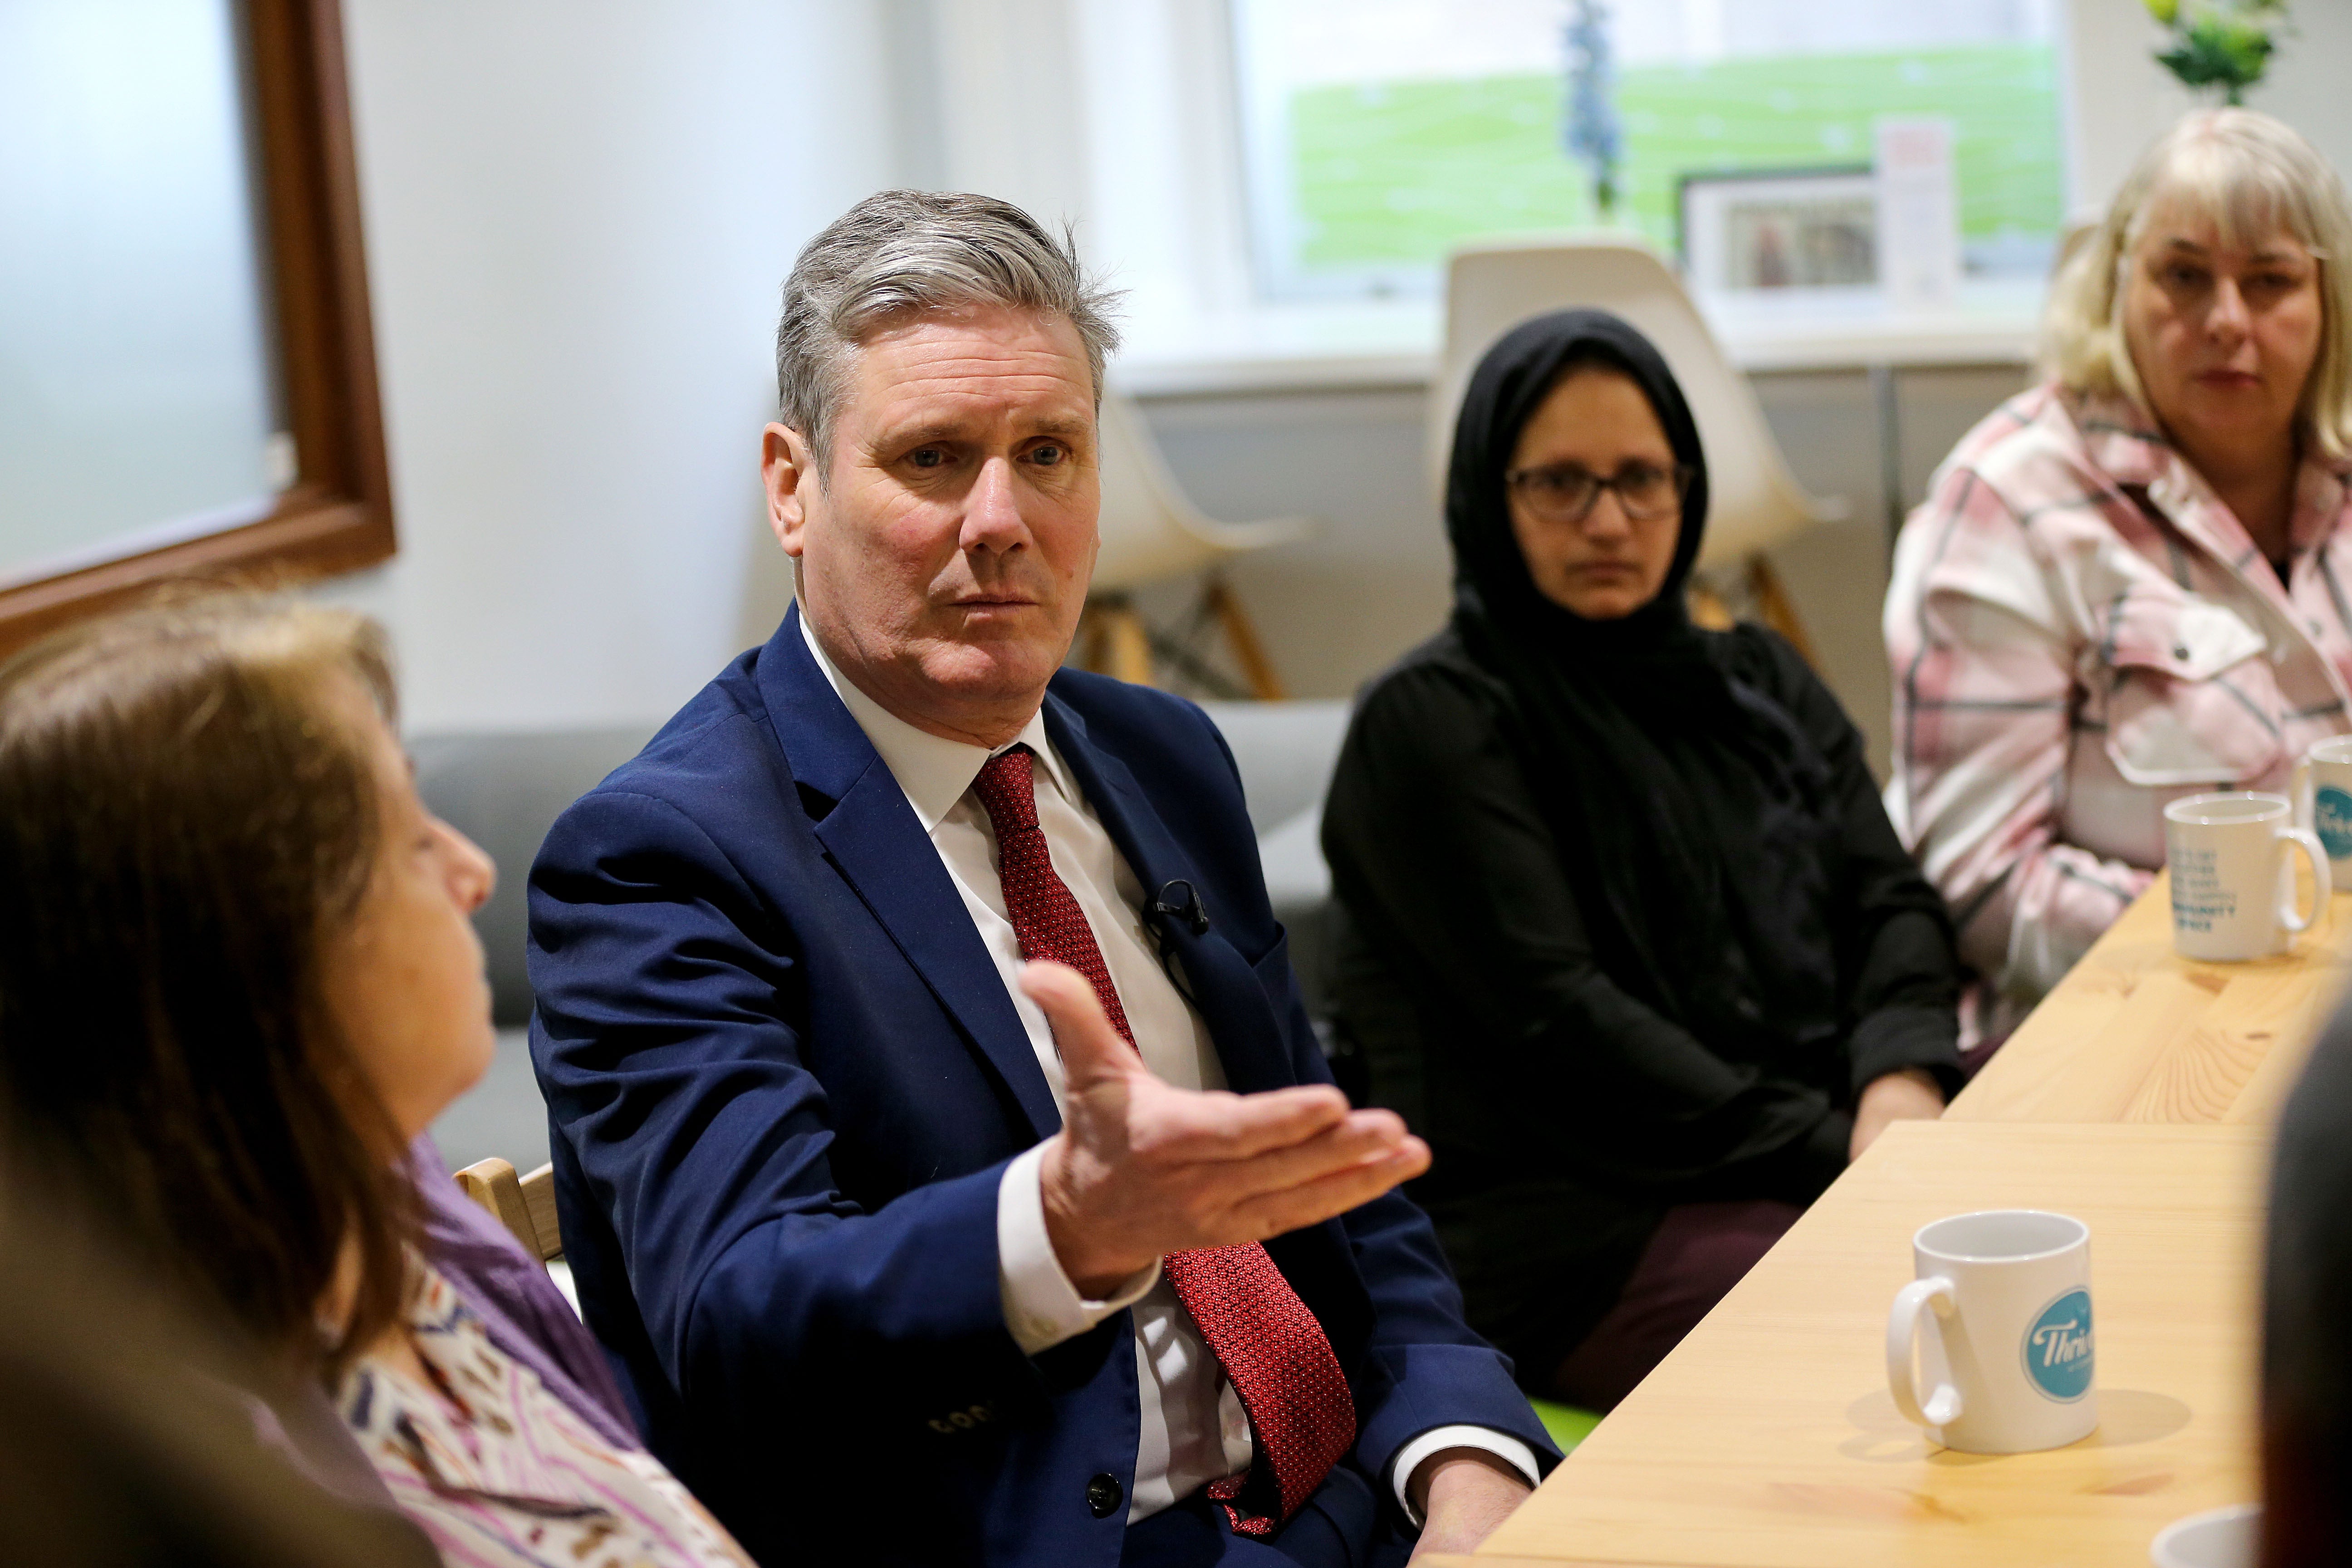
[[1694, 817]]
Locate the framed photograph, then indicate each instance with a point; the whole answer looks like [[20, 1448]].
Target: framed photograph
[[1762, 231]]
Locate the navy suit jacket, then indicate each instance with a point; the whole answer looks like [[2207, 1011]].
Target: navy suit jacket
[[784, 1079]]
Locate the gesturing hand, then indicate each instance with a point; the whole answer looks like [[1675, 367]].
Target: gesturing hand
[[1142, 1169]]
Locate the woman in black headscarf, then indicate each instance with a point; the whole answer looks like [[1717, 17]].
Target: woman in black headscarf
[[1627, 936]]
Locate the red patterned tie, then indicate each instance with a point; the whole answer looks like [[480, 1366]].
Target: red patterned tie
[[1270, 1345]]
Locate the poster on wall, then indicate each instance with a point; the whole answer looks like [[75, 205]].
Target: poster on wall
[[1918, 215]]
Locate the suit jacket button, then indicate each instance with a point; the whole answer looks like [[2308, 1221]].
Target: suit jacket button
[[1104, 1495]]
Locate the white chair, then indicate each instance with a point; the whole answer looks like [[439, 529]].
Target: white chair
[[1754, 503], [1152, 531]]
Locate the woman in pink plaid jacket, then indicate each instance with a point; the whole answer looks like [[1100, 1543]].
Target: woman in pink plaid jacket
[[2134, 581]]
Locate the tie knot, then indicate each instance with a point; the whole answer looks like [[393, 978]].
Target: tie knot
[[1007, 788]]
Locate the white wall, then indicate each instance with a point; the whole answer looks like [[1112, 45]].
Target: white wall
[[578, 213], [2121, 99], [1337, 607]]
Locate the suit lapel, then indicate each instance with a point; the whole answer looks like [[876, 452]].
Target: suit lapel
[[873, 839], [1219, 980]]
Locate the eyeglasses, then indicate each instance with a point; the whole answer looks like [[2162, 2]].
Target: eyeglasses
[[1567, 493]]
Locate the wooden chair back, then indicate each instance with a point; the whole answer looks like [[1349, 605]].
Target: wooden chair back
[[524, 1205]]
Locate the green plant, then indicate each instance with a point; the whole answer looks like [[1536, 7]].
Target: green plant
[[2220, 43]]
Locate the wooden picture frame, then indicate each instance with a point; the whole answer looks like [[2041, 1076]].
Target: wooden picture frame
[[336, 515]]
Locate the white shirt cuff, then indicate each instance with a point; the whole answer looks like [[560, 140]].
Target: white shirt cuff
[[1042, 1308], [1437, 1439]]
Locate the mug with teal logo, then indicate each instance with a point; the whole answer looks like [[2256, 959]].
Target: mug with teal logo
[[2234, 894], [2058, 1347], [1993, 1346], [2323, 801]]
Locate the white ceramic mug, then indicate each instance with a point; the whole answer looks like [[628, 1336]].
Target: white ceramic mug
[[2323, 801], [1999, 1319], [2225, 1537], [2232, 886]]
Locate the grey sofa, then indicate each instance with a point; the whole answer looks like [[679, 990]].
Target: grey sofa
[[505, 789]]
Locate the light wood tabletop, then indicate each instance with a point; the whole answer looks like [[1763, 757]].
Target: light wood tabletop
[[2137, 1033], [1767, 1438]]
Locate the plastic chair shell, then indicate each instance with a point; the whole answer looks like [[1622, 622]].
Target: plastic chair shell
[[1150, 528], [1754, 501]]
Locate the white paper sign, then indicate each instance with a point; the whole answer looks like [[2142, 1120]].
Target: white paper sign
[[1918, 215]]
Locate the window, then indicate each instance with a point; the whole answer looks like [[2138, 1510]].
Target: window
[[187, 380], [1379, 133]]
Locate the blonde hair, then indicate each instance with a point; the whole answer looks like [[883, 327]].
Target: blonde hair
[[2251, 176]]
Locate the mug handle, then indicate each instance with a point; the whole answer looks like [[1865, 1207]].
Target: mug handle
[[2302, 839], [2299, 790], [1941, 1407]]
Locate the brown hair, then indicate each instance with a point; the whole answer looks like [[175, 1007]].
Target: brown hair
[[182, 823]]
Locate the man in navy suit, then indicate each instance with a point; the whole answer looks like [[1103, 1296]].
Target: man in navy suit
[[942, 1150]]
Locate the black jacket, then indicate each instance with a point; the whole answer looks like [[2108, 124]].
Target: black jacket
[[1567, 1113]]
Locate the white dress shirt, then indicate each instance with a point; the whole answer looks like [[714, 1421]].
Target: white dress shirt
[[1193, 1429]]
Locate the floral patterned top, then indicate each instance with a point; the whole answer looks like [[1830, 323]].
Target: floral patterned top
[[501, 1474]]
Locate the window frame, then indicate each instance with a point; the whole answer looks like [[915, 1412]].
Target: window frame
[[336, 514]]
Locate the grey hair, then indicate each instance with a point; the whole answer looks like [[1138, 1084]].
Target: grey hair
[[901, 254], [2253, 176]]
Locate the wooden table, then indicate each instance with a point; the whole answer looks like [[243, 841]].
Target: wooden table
[[1768, 1439], [2137, 1033], [2138, 1096]]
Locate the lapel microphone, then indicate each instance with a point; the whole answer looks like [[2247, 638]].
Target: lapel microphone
[[1177, 901]]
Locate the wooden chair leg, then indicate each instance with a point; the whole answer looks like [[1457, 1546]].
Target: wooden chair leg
[[1094, 640], [1777, 610], [1115, 641], [1708, 610], [1241, 635], [1129, 646]]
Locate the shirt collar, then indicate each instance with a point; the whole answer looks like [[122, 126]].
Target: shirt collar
[[2126, 444], [2121, 440], [933, 771]]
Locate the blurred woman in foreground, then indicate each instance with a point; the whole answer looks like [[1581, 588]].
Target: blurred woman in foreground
[[2129, 583], [237, 979]]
